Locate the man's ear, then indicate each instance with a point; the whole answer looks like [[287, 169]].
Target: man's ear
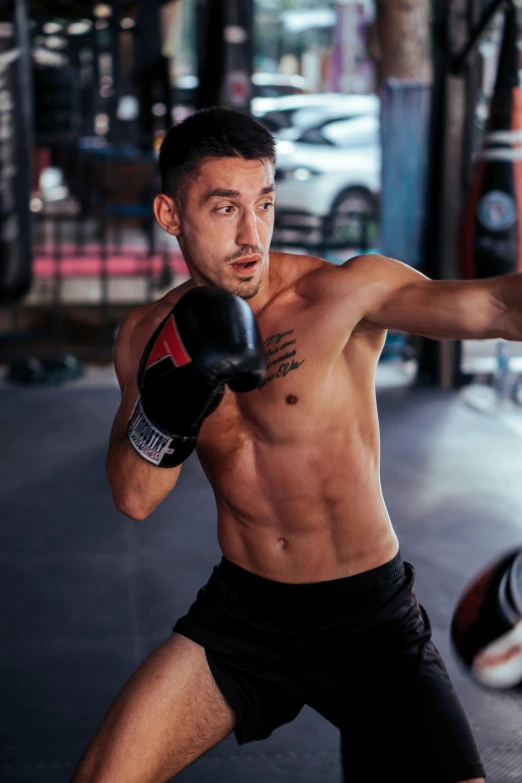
[[166, 212]]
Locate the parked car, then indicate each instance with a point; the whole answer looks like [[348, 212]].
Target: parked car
[[290, 115], [331, 172], [317, 116], [271, 85]]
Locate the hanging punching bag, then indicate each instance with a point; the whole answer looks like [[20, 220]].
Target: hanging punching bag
[[15, 180], [225, 54], [493, 214]]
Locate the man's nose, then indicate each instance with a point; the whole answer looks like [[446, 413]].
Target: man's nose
[[247, 230]]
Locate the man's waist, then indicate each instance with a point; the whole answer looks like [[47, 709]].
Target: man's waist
[[307, 556], [354, 585]]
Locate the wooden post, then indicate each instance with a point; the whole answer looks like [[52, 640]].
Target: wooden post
[[403, 32], [402, 51]]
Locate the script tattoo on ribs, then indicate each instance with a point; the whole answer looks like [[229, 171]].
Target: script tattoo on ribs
[[279, 355]]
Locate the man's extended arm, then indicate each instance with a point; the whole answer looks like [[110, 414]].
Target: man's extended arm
[[400, 298]]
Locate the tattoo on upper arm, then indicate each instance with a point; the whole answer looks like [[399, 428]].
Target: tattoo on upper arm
[[280, 351]]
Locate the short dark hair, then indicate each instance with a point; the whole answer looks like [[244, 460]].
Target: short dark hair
[[206, 134]]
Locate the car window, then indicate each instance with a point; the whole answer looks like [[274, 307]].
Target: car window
[[275, 120], [274, 90], [317, 115], [355, 132], [350, 131], [314, 136]]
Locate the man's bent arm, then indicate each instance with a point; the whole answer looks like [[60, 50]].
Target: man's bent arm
[[137, 485], [400, 298]]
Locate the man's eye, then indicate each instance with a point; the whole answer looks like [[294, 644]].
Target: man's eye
[[228, 209], [267, 205]]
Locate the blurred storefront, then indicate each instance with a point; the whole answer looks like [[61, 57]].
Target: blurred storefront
[[325, 43]]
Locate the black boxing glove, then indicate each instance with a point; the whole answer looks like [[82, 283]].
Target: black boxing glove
[[486, 628], [209, 339]]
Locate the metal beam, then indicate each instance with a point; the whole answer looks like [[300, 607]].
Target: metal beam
[[458, 61]]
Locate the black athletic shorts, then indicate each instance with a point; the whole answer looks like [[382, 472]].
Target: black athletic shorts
[[358, 650]]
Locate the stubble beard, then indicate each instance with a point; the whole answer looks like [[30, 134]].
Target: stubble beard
[[245, 288], [251, 289]]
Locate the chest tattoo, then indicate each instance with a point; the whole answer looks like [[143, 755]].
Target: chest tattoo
[[280, 355]]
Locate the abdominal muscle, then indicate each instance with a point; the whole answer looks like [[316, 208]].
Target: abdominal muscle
[[295, 512]]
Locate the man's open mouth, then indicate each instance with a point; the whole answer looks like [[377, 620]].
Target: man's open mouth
[[244, 264]]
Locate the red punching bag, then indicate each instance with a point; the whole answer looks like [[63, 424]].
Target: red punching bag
[[491, 241]]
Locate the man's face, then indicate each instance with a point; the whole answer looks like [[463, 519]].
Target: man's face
[[226, 223]]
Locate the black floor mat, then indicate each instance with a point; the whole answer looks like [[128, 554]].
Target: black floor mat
[[86, 594]]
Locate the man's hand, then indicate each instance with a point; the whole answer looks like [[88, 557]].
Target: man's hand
[[395, 296], [209, 339]]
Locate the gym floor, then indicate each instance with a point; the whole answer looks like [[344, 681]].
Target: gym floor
[[86, 593]]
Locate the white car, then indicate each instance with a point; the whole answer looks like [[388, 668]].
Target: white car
[[332, 170], [290, 115], [272, 85]]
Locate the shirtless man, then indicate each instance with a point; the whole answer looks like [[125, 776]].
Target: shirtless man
[[311, 603]]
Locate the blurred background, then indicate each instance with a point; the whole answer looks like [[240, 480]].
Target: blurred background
[[377, 123], [399, 131]]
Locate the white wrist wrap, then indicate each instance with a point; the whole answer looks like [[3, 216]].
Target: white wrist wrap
[[150, 443]]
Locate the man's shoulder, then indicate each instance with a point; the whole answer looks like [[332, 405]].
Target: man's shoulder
[[139, 325], [146, 315], [369, 264], [373, 267], [319, 276], [355, 285], [366, 267], [296, 268], [295, 260]]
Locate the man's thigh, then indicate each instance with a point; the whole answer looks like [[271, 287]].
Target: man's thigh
[[407, 720], [168, 714], [414, 742]]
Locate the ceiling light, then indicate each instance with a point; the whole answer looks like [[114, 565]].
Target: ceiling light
[[50, 28], [102, 10], [55, 42], [101, 124], [159, 110], [79, 28]]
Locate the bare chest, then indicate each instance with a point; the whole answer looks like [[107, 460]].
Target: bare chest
[[306, 379]]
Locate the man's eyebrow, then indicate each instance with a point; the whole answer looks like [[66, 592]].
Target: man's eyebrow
[[225, 193], [221, 193]]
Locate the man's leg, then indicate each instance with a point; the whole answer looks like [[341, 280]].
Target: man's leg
[[168, 714], [399, 755]]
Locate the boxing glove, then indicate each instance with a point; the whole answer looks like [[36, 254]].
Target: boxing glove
[[486, 629], [209, 339]]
